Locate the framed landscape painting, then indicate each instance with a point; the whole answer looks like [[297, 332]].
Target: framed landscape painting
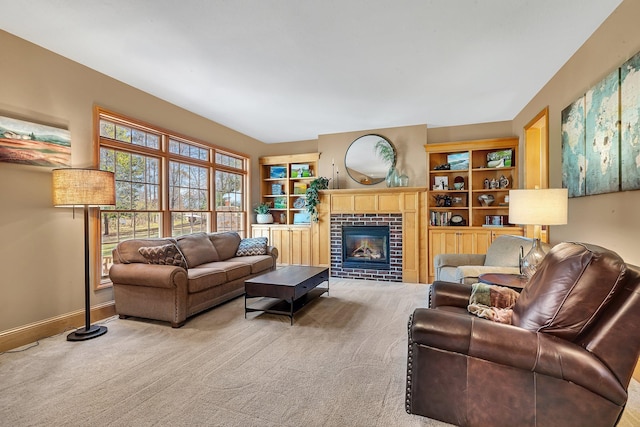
[[34, 144]]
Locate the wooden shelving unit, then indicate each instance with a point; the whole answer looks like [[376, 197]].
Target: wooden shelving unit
[[283, 183], [458, 221]]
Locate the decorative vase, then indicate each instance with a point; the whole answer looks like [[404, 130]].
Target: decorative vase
[[264, 218], [529, 263], [392, 177]]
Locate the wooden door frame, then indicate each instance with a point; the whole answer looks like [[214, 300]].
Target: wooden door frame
[[536, 159]]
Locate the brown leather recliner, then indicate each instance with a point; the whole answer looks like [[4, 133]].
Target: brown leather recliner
[[566, 359]]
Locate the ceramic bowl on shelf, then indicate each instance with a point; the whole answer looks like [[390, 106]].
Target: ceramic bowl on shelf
[[486, 199]]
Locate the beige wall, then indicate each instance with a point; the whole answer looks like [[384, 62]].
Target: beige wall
[[42, 251], [408, 140], [470, 132], [609, 220]]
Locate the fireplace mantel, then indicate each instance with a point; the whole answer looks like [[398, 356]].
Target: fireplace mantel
[[407, 201]]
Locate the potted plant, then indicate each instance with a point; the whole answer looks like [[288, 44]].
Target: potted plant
[[263, 215], [312, 196]]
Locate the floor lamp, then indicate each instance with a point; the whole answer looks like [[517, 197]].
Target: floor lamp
[[537, 207], [84, 187]]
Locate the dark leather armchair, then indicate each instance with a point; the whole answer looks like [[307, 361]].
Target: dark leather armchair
[[566, 359]]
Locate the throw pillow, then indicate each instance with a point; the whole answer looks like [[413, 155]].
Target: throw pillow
[[168, 254], [252, 246], [197, 249]]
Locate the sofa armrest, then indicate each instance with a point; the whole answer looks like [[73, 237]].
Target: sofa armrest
[[273, 251], [150, 275], [514, 347], [455, 260], [446, 264]]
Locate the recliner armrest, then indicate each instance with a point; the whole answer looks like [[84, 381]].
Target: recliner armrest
[[514, 347], [449, 294]]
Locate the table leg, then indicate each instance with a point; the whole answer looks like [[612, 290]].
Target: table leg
[[291, 315]]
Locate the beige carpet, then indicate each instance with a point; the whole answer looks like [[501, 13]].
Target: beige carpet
[[342, 363]]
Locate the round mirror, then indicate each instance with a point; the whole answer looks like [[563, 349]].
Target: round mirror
[[369, 159]]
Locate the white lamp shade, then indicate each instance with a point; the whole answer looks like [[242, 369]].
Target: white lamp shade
[[545, 206], [83, 187]]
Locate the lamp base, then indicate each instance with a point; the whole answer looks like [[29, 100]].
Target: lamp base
[[86, 334], [531, 260]]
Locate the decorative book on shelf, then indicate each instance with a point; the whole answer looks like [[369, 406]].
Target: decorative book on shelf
[[438, 218], [299, 188], [280, 203]]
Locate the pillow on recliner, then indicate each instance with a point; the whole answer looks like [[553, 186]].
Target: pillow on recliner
[[572, 285]]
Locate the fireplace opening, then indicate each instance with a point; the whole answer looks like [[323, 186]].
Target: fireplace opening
[[366, 247]]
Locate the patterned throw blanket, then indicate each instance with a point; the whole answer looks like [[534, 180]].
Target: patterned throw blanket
[[492, 302]]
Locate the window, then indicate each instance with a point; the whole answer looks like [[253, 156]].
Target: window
[[166, 184]]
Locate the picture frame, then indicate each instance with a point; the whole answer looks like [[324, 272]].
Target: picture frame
[[34, 144], [277, 172], [458, 161], [300, 170], [500, 159], [280, 203], [441, 183]]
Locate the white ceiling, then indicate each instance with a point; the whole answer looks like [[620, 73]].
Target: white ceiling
[[289, 70]]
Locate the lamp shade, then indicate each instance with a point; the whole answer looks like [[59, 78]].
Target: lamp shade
[[86, 187], [545, 206]]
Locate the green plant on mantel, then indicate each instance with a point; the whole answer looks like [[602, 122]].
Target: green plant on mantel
[[313, 196]]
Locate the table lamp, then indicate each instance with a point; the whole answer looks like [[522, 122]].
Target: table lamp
[[537, 207], [84, 187]]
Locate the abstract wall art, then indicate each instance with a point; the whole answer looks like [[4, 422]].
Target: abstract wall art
[[601, 135]]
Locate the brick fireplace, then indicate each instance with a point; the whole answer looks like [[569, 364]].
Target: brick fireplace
[[402, 208], [366, 246]]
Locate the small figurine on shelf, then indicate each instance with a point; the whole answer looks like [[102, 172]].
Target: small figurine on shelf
[[487, 184], [442, 200]]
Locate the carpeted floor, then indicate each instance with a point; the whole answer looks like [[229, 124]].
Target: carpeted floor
[[342, 363]]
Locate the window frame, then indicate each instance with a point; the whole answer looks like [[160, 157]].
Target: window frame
[[164, 155]]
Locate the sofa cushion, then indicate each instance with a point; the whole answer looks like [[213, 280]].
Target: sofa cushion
[[234, 270], [168, 254], [197, 249], [258, 263], [127, 252], [570, 288], [226, 243], [252, 246], [206, 276]]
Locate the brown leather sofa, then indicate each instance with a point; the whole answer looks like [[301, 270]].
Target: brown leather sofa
[[193, 273], [566, 359]]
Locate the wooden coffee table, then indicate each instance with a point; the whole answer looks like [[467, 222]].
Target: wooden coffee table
[[286, 290]]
